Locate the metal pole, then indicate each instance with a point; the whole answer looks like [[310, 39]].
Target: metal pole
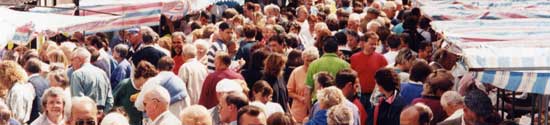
[[503, 93], [513, 104], [545, 104], [534, 102]]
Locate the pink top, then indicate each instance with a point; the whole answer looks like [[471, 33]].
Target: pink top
[[297, 85]]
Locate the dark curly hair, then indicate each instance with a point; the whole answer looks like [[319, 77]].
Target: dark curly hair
[[387, 79]]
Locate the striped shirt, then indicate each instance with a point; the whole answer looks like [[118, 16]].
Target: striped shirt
[[218, 46]]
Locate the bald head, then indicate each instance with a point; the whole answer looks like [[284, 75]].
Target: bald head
[[83, 110], [418, 114]]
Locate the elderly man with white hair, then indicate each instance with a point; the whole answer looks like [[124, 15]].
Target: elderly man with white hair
[[195, 115], [223, 87], [192, 72], [156, 102], [452, 103], [115, 118], [88, 80]]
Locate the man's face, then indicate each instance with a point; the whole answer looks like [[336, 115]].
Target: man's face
[[302, 15], [352, 42], [85, 115], [253, 120], [54, 105], [267, 32], [275, 46], [225, 35], [151, 106], [369, 46], [177, 44], [77, 62], [426, 53], [134, 38], [353, 24], [226, 111]]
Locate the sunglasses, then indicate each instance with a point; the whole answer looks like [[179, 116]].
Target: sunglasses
[[85, 122]]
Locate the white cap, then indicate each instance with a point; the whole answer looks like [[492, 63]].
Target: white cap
[[227, 85]]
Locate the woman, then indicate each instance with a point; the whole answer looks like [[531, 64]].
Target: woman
[[254, 72], [297, 88], [58, 78], [389, 108], [294, 60], [54, 102], [436, 84], [57, 56], [262, 93], [125, 94], [273, 74], [19, 94], [327, 97], [202, 49]]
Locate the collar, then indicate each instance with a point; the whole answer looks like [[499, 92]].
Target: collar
[[33, 75], [463, 121], [391, 99], [330, 55], [133, 84], [191, 60], [415, 83], [160, 116]]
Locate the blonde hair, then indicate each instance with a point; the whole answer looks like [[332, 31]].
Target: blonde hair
[[339, 115], [57, 56], [330, 97], [165, 42], [11, 73]]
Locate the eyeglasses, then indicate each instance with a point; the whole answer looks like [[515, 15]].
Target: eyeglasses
[[85, 122]]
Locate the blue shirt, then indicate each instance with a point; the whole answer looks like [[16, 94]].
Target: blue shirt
[[410, 91], [319, 118], [398, 29], [122, 71], [317, 108]]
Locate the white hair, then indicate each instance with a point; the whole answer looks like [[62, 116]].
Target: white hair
[[82, 101], [189, 51], [202, 43], [311, 53], [158, 92], [354, 16], [330, 96], [114, 118], [194, 113], [271, 7], [321, 25], [451, 98], [340, 115], [82, 53], [389, 5], [67, 45], [148, 31]]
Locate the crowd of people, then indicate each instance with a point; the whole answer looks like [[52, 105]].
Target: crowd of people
[[313, 62]]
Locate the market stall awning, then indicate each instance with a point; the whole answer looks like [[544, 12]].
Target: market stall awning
[[20, 27], [485, 9], [512, 54]]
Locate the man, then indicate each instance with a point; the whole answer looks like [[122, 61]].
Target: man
[[223, 87], [413, 88], [478, 110], [222, 62], [148, 51], [418, 114], [83, 111], [123, 68], [88, 80], [389, 9], [425, 51], [230, 105], [245, 49], [394, 42], [40, 84], [366, 63], [156, 102], [195, 115], [328, 62], [178, 40], [192, 73], [224, 35], [346, 80], [251, 115], [453, 104], [179, 98], [277, 44]]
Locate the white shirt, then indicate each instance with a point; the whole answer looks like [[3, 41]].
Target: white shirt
[[19, 100], [390, 57], [193, 73], [269, 107]]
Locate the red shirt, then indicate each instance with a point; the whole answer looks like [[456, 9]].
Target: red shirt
[[366, 66], [208, 96], [362, 112], [178, 61]]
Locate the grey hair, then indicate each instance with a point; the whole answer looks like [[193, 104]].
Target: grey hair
[[330, 96], [194, 112], [53, 92], [122, 50], [311, 53], [451, 98], [340, 115], [82, 53], [159, 93], [149, 32], [114, 118], [189, 51], [80, 101], [179, 34], [272, 7]]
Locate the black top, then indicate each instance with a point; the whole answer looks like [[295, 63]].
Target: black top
[[149, 54]]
